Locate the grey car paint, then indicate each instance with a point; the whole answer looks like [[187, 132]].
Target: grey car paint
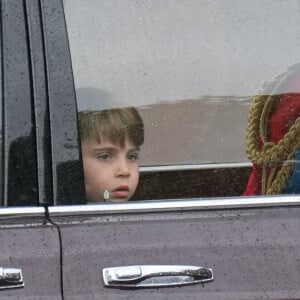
[[30, 243], [253, 252]]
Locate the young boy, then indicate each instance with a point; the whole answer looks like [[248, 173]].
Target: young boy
[[110, 141]]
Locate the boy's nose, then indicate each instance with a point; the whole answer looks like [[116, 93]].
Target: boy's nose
[[123, 169]]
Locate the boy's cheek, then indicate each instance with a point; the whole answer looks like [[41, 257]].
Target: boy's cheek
[[92, 167]]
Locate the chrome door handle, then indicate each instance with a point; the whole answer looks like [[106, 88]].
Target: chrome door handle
[[11, 278], [155, 275]]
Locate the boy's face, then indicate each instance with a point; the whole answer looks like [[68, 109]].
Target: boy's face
[[107, 166]]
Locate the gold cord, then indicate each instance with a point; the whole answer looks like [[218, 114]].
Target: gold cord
[[276, 160]]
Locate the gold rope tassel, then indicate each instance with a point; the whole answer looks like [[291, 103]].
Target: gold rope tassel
[[272, 155]]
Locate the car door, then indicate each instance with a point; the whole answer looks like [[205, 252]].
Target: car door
[[30, 255], [29, 247], [253, 252], [180, 63], [31, 167]]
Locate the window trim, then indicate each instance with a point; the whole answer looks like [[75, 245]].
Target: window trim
[[16, 212], [176, 205], [153, 206], [184, 167]]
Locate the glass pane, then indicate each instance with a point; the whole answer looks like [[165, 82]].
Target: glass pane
[[192, 69]]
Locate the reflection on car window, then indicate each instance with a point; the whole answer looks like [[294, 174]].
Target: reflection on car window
[[192, 69], [274, 136]]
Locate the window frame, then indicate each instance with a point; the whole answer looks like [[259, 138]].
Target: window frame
[[36, 75]]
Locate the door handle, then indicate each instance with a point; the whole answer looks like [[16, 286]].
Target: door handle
[[155, 275], [11, 278]]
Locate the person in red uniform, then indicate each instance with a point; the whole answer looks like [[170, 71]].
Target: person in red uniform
[[274, 137]]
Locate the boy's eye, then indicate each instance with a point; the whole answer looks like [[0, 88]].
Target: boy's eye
[[132, 156], [104, 156]]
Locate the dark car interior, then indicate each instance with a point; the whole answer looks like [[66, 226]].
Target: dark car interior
[[206, 182]]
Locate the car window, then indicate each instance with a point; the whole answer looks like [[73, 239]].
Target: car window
[[192, 69]]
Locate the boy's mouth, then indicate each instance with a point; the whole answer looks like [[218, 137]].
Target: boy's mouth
[[120, 192]]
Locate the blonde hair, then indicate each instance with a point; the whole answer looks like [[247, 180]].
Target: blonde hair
[[113, 124]]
